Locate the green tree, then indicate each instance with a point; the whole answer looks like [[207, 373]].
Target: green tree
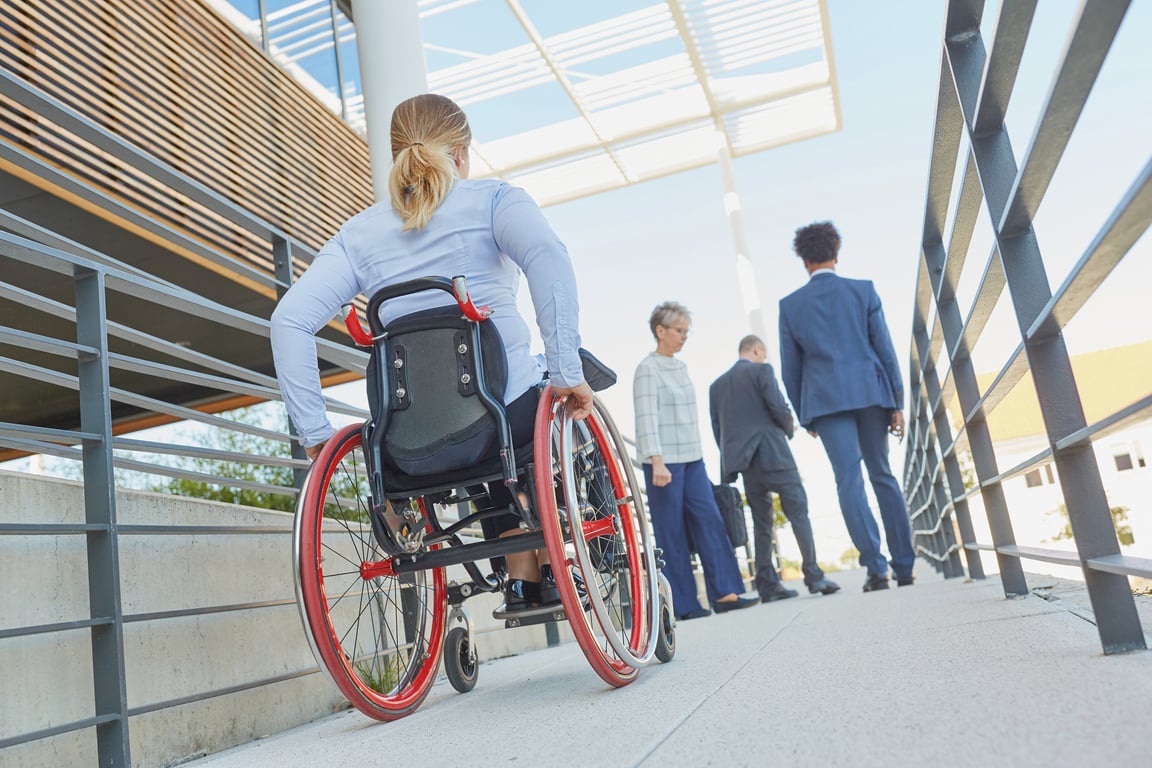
[[778, 519], [1119, 520], [236, 442]]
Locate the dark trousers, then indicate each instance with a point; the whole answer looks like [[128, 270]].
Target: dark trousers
[[848, 438], [759, 485], [688, 502]]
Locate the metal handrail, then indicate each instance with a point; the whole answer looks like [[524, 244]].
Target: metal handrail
[[96, 281], [975, 87]]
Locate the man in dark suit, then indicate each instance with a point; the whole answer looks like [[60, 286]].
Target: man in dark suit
[[752, 426], [841, 373]]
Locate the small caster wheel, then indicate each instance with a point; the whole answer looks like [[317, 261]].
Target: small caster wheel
[[666, 640], [460, 662]]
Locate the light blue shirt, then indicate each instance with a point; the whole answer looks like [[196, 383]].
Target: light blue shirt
[[487, 231]]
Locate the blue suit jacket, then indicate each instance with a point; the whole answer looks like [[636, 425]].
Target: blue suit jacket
[[835, 350]]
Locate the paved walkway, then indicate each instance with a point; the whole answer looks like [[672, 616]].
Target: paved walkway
[[945, 673]]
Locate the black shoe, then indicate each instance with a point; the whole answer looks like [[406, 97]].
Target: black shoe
[[695, 613], [550, 593], [737, 604], [905, 581], [876, 582], [823, 587], [777, 592], [520, 594]]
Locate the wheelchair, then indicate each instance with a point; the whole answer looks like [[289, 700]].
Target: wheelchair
[[370, 550]]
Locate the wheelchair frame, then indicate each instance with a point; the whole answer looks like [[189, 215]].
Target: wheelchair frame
[[393, 550]]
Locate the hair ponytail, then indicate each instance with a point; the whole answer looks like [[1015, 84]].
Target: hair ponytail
[[426, 130]]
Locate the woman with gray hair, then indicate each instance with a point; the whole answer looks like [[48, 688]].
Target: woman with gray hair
[[680, 496]]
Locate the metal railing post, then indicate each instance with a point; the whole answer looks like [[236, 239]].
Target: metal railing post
[[1011, 195], [282, 270], [110, 688], [974, 91]]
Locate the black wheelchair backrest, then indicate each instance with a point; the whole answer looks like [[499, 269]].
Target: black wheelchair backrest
[[429, 399]]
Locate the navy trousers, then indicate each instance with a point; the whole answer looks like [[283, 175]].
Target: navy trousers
[[687, 502], [848, 438]]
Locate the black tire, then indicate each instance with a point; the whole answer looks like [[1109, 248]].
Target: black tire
[[460, 663], [666, 638]]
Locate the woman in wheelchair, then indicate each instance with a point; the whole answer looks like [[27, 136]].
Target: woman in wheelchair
[[458, 400], [438, 222]]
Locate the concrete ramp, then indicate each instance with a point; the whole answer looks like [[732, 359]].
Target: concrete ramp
[[942, 673]]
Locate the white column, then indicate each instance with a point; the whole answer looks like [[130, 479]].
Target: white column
[[745, 273], [391, 52]]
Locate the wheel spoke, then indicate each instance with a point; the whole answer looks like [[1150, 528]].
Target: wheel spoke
[[378, 635]]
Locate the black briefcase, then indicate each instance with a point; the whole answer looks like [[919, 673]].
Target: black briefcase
[[731, 512]]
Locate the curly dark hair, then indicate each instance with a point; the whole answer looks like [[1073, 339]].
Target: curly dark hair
[[817, 243]]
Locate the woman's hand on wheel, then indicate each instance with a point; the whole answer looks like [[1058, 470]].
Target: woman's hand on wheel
[[577, 398], [314, 450]]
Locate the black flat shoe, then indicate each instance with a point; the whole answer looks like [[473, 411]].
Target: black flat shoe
[[550, 593], [876, 582], [735, 605], [823, 587], [905, 581], [695, 613], [520, 594]]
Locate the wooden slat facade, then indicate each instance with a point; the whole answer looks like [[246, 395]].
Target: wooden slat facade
[[177, 81]]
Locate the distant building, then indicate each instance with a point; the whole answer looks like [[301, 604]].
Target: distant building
[[1108, 381]]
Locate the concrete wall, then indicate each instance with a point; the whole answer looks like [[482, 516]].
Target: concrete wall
[[47, 679]]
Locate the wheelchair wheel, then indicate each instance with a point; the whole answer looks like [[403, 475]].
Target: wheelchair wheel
[[460, 664], [377, 633], [598, 537]]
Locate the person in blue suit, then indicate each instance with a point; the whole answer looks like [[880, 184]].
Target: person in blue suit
[[840, 371]]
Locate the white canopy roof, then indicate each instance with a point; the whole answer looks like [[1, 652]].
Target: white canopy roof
[[568, 98], [631, 91]]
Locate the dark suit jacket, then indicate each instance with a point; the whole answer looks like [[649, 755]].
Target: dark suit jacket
[[749, 411], [835, 351]]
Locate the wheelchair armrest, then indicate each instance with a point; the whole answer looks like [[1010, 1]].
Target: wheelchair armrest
[[598, 375]]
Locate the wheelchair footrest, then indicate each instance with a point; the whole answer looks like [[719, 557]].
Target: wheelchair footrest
[[527, 617]]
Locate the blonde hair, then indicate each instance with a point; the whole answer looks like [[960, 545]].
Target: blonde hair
[[665, 313], [426, 129]]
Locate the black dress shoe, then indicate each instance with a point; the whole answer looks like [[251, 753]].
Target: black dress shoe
[[876, 582], [823, 587], [695, 613], [777, 592], [905, 581], [735, 605]]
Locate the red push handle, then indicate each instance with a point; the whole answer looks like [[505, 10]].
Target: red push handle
[[459, 287], [470, 310], [355, 328]]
